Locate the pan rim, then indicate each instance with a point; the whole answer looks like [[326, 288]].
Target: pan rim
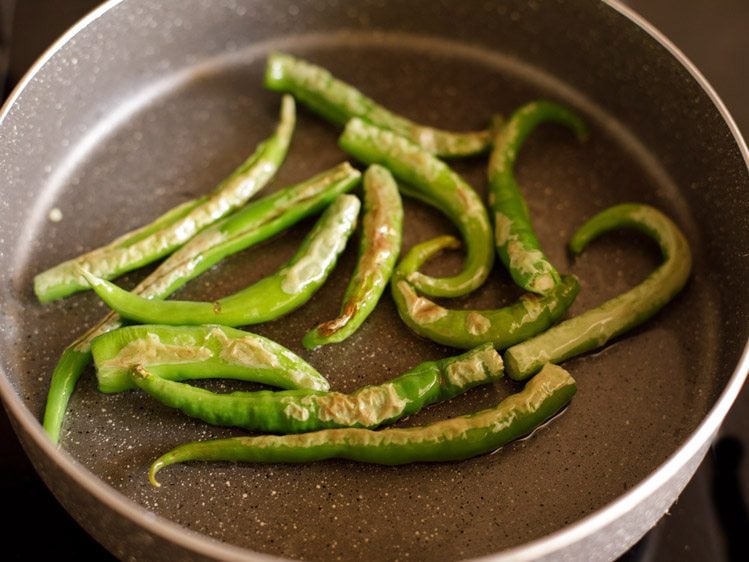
[[547, 545]]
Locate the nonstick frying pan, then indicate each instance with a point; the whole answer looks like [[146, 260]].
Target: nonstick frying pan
[[144, 105]]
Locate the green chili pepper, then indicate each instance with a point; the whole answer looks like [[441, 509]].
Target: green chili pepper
[[62, 271], [198, 352], [164, 221], [454, 439], [296, 411], [151, 243], [378, 251], [465, 329], [338, 102], [441, 186], [271, 297], [258, 221], [595, 327], [517, 244], [65, 376]]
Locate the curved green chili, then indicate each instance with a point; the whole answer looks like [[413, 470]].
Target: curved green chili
[[65, 376], [502, 327], [517, 244], [296, 411], [441, 186], [51, 284], [256, 222], [198, 352], [338, 102], [453, 439], [151, 244], [271, 297], [595, 327], [378, 250]]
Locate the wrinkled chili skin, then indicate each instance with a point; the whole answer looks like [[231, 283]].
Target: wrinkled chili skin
[[382, 232], [594, 328], [453, 439], [441, 186], [198, 352], [337, 102], [258, 221], [132, 252], [465, 329], [270, 298], [516, 241], [296, 411]]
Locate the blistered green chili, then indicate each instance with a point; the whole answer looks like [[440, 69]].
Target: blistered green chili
[[296, 411], [378, 250], [271, 297], [256, 222], [55, 283], [338, 102], [198, 352], [150, 244], [595, 327], [502, 327], [442, 187], [453, 439], [517, 244]]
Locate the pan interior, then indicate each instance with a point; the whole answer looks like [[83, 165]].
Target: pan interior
[[637, 400]]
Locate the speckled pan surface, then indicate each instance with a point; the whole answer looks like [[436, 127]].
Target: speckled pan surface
[[151, 103]]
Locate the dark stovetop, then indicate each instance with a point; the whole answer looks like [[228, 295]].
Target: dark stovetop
[[708, 522]]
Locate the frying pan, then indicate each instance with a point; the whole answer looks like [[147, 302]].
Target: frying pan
[[144, 105]]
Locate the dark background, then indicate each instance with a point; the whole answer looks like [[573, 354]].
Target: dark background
[[709, 520]]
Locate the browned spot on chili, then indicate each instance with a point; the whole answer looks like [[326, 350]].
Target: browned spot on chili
[[422, 310], [465, 197], [332, 326]]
